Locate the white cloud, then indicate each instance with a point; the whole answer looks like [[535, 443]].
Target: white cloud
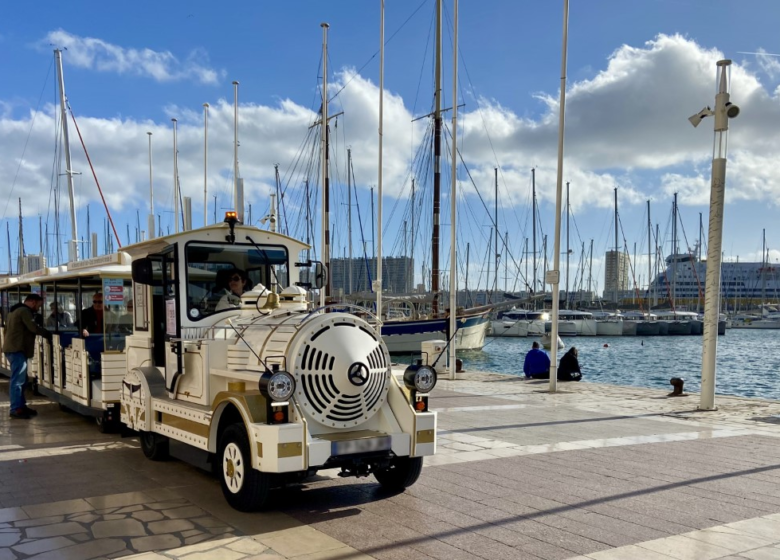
[[626, 127], [769, 63], [163, 66]]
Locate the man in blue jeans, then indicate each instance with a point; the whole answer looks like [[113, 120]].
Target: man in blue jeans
[[19, 346], [537, 363]]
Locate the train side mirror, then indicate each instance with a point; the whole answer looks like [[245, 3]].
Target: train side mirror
[[320, 275], [147, 271]]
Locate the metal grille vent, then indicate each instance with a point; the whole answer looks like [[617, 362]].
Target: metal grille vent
[[343, 374]]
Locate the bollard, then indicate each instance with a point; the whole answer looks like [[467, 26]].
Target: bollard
[[458, 365], [677, 383]]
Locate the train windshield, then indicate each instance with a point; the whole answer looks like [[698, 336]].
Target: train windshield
[[218, 273]]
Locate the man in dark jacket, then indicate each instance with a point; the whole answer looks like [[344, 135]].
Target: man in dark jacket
[[537, 363], [19, 346], [92, 317]]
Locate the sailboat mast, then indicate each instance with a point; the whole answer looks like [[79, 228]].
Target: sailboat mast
[[763, 269], [437, 125], [379, 170], [617, 248], [498, 251], [674, 251], [533, 223], [175, 181], [411, 252], [205, 164], [454, 200], [649, 258], [525, 252], [238, 203], [657, 266], [150, 219], [22, 268], [308, 222], [568, 251], [73, 248], [349, 205], [590, 269], [325, 292], [8, 242]]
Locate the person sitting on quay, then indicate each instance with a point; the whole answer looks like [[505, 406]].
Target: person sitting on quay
[[569, 370], [537, 363]]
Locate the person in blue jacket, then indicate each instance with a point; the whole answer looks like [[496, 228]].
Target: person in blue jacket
[[537, 363]]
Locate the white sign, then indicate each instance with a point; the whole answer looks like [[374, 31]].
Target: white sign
[[170, 317], [552, 277]]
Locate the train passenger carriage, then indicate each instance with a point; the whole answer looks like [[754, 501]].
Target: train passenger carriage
[[83, 365]]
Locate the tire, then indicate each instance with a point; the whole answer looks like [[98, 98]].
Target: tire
[[104, 426], [402, 473], [154, 446], [244, 488]]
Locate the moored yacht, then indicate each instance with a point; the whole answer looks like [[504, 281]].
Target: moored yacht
[[608, 324]]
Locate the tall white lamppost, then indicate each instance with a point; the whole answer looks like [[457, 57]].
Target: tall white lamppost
[[724, 110], [554, 276]]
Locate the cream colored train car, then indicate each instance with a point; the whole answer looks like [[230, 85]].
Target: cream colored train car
[[82, 372], [271, 389]]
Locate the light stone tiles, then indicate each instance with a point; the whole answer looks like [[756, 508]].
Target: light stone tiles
[[25, 454], [460, 448], [755, 539]]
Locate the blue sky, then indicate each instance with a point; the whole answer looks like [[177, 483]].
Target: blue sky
[[636, 70]]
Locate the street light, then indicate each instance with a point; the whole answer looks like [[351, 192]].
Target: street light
[[724, 110]]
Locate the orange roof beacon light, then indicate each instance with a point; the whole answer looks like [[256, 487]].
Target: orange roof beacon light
[[231, 219]]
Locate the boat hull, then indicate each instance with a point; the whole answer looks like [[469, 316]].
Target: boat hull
[[509, 328], [406, 337], [565, 328], [678, 328], [586, 327], [649, 328], [609, 328]]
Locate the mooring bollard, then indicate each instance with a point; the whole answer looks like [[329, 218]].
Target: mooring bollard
[[677, 383]]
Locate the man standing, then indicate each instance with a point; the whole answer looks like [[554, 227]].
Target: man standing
[[537, 363], [19, 346]]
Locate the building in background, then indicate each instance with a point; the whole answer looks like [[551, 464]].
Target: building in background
[[615, 275], [397, 275], [30, 263]]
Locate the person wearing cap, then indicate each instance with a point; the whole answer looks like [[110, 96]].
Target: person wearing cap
[[19, 346]]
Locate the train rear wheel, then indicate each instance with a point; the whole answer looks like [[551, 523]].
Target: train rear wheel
[[154, 446]]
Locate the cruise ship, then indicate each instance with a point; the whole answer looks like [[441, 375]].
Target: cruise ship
[[742, 283]]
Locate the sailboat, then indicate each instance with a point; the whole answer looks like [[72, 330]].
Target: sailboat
[[406, 335], [423, 320]]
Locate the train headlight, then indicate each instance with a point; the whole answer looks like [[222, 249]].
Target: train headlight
[[420, 378], [277, 385]]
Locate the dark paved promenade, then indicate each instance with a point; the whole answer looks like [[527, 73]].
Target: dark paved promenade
[[595, 471]]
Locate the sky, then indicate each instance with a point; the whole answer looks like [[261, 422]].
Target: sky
[[636, 71]]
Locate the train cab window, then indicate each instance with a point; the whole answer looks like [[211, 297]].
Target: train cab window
[[218, 273]]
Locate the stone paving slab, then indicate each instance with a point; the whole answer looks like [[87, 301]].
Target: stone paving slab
[[597, 472]]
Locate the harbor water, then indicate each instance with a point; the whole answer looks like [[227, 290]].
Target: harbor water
[[748, 360]]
